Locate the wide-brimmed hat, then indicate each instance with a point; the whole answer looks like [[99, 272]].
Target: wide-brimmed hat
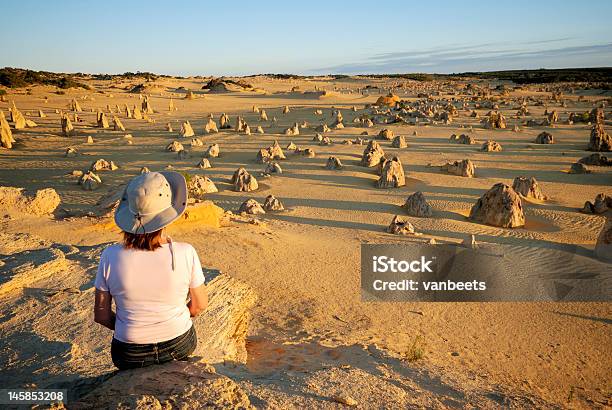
[[151, 201]]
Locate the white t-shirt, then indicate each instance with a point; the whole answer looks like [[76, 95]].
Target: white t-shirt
[[150, 297]]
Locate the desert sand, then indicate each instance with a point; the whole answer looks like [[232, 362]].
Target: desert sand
[[311, 342]]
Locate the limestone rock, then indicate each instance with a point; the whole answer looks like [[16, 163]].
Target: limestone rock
[[386, 134], [417, 205], [333, 163], [263, 116], [251, 207], [462, 139], [494, 120], [67, 128], [19, 202], [243, 181], [71, 152], [372, 154], [224, 121], [103, 165], [464, 168], [199, 185], [603, 246], [308, 153], [196, 142], [273, 167], [169, 127], [596, 159], [500, 206], [529, 188], [322, 128], [186, 130], [175, 146], [579, 168], [74, 105], [102, 120], [392, 174], [400, 226], [600, 205], [399, 142], [294, 130], [90, 181], [597, 116], [291, 146], [117, 124], [600, 140], [6, 135], [273, 204], [212, 151], [544, 138], [146, 105], [259, 130], [204, 164], [491, 146], [286, 109], [211, 126]]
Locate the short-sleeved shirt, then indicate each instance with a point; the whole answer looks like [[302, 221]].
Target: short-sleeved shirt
[[150, 297]]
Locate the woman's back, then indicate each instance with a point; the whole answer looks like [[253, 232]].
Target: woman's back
[[150, 290]]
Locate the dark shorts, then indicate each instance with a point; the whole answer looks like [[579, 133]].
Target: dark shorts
[[134, 355]]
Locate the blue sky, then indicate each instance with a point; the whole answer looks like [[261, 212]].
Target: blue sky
[[304, 37]]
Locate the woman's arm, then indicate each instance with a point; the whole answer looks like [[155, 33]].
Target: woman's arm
[[199, 300], [103, 314]]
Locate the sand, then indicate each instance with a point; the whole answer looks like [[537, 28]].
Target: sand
[[311, 338]]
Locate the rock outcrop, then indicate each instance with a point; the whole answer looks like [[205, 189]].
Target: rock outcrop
[[462, 139], [392, 174], [243, 181], [19, 202], [491, 146], [200, 185], [417, 205], [400, 226], [175, 146], [386, 134], [500, 206], [186, 130], [211, 126], [529, 188], [463, 168], [6, 135], [600, 140], [600, 205], [372, 154], [596, 159], [544, 138], [399, 142], [603, 246], [333, 163], [251, 207], [273, 204], [212, 151]]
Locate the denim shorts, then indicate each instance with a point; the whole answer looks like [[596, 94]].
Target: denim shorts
[[134, 355]]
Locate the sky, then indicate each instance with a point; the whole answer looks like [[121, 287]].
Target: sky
[[303, 37]]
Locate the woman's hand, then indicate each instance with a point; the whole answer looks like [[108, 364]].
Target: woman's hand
[[199, 300], [103, 314]]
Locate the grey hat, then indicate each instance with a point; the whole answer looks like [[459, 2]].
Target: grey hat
[[151, 201]]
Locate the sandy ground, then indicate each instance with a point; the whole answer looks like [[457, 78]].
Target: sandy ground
[[311, 336]]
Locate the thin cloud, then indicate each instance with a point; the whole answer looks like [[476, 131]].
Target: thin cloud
[[476, 58]]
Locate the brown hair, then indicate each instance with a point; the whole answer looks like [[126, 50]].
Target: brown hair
[[146, 241]]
